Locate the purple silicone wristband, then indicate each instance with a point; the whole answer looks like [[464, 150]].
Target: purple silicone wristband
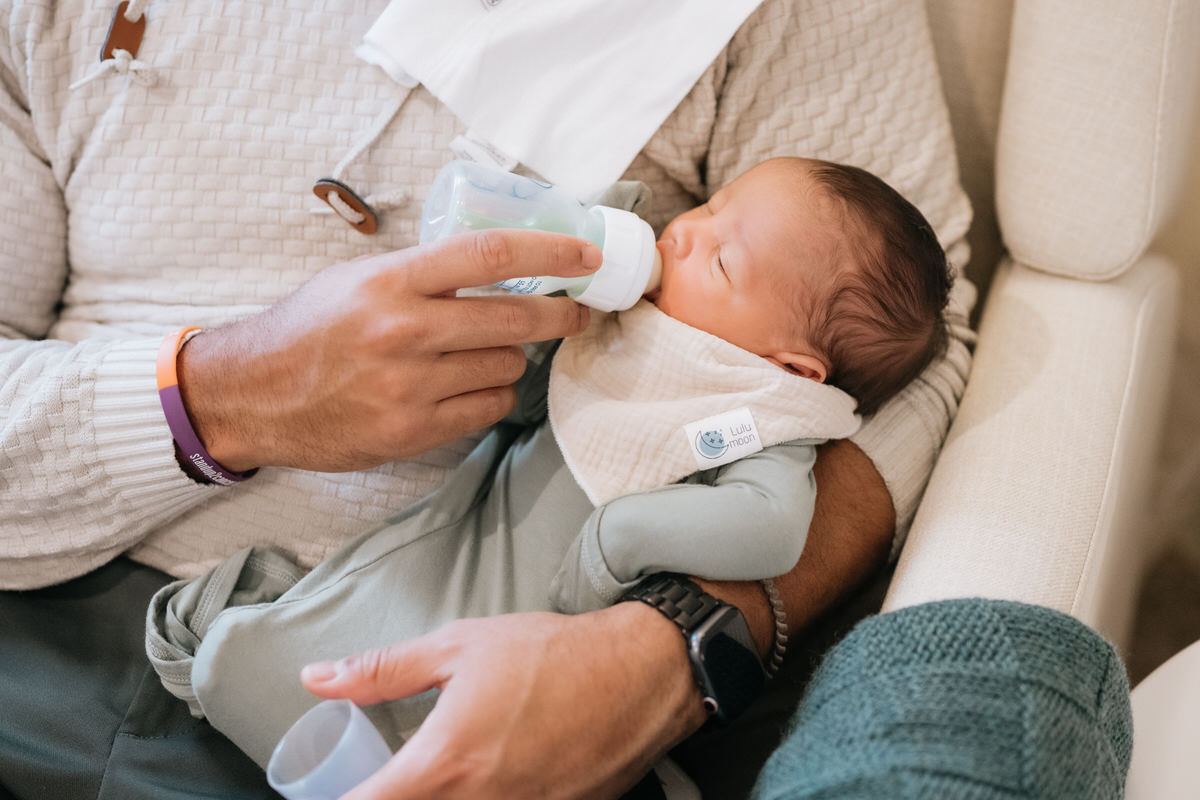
[[193, 450]]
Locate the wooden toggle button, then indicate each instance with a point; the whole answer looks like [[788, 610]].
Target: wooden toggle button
[[325, 187], [123, 34]]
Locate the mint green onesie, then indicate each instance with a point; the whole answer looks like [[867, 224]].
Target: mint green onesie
[[510, 531]]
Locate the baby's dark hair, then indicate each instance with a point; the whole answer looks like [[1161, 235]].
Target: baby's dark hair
[[882, 321]]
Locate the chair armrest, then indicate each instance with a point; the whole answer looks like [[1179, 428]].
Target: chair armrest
[[1166, 724], [1040, 493]]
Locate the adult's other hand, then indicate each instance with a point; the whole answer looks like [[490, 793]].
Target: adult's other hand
[[377, 359], [527, 707]]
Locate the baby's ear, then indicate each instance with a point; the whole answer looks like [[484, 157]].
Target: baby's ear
[[802, 364]]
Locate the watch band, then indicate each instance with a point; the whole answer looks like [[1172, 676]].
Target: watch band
[[721, 651], [678, 599]]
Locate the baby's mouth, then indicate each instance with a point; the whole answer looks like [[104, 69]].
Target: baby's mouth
[[663, 247]]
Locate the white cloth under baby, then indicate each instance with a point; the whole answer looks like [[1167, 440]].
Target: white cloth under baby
[[572, 90], [622, 392]]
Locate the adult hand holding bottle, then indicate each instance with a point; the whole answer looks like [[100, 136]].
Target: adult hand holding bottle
[[377, 359]]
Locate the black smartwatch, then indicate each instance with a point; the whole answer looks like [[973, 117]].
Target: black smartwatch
[[724, 659]]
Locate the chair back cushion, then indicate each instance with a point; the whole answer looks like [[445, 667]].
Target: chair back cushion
[[1097, 124], [971, 44]]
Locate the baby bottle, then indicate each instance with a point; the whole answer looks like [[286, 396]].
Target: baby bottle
[[467, 196]]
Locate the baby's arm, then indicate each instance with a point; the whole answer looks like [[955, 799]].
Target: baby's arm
[[749, 523]]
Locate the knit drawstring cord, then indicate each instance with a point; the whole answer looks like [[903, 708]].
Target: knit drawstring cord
[[395, 198], [398, 198], [135, 9], [122, 63]]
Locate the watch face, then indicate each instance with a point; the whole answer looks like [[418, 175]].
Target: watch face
[[730, 670]]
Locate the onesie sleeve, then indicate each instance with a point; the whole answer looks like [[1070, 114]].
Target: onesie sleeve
[[87, 467], [747, 520]]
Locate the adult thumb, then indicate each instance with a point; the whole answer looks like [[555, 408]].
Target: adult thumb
[[386, 673]]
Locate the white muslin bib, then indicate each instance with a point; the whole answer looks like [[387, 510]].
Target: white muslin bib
[[623, 390], [573, 90]]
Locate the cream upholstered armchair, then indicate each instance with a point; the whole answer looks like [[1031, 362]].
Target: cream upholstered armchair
[[1073, 121]]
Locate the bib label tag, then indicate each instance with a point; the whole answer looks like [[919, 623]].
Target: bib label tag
[[723, 438]]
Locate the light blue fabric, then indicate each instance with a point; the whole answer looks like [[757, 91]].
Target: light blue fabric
[[960, 699], [510, 531]]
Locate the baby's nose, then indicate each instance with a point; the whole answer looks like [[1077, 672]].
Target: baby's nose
[[681, 243]]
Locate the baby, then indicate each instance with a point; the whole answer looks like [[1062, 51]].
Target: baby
[[676, 436], [821, 268]]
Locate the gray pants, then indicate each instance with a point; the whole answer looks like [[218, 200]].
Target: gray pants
[[82, 715]]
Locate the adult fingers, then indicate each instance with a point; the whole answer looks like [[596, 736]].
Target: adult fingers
[[490, 256], [406, 776], [472, 411], [467, 371], [385, 673], [468, 323], [439, 758], [443, 421]]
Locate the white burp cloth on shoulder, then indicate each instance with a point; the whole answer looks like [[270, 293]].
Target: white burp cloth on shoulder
[[572, 90], [623, 390]]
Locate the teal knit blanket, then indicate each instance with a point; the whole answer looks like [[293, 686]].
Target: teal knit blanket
[[960, 699]]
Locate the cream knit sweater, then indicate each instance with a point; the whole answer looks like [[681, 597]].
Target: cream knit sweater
[[180, 194]]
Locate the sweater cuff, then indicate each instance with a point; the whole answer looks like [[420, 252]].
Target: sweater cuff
[[133, 443]]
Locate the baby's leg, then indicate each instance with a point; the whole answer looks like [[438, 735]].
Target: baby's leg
[[446, 558]]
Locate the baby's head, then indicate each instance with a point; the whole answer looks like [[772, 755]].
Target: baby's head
[[822, 269]]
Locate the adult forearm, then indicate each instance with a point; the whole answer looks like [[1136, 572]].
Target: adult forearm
[[848, 541]]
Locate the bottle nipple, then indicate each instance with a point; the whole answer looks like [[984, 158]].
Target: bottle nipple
[[631, 267]]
